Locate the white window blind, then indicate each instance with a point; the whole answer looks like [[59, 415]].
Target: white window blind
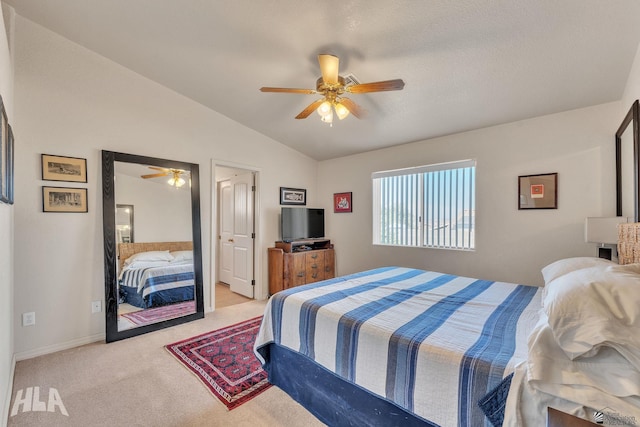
[[426, 206]]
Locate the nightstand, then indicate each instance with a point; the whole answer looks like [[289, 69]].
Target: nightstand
[[556, 418]]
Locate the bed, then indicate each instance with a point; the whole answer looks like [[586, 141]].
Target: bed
[[155, 274], [398, 346]]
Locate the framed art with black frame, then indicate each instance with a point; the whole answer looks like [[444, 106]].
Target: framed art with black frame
[[342, 202], [10, 165], [538, 191], [5, 156], [293, 196], [62, 168], [62, 199]]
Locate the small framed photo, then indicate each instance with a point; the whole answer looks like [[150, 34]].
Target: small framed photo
[[61, 199], [293, 196], [60, 168], [342, 202], [538, 191]]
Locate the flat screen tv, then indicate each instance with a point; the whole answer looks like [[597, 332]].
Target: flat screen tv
[[302, 223]]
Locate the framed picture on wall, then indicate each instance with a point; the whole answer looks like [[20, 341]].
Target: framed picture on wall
[[10, 165], [538, 191], [4, 155], [293, 196], [61, 199], [60, 168], [342, 202]]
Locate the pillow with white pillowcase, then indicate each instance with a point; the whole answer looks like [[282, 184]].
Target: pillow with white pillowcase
[[567, 265], [149, 256], [596, 307]]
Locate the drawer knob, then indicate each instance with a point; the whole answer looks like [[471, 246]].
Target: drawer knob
[[301, 274]]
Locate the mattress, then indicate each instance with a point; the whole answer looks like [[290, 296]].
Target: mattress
[[431, 344]]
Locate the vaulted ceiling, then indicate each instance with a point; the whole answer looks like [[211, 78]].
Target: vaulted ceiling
[[466, 64]]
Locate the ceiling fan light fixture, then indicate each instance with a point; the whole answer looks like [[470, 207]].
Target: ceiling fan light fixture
[[341, 110], [324, 108], [176, 181], [328, 118]]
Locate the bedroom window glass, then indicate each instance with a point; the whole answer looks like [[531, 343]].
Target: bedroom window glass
[[426, 206]]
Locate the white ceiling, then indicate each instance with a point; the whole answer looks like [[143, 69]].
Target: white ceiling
[[467, 64]]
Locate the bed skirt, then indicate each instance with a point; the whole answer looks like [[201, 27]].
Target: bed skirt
[[130, 295], [331, 399]]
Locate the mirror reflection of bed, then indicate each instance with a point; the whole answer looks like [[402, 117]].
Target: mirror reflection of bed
[[155, 282], [155, 271]]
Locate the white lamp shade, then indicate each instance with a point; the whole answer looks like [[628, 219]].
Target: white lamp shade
[[602, 229]]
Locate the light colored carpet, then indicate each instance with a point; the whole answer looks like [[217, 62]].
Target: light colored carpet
[[136, 382]]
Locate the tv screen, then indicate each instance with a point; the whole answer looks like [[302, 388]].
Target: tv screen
[[302, 223]]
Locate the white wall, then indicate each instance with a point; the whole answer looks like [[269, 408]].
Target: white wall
[[161, 213], [511, 245], [6, 228], [71, 102], [632, 90]]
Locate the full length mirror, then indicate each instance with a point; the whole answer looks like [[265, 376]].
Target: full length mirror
[[154, 281], [627, 164]]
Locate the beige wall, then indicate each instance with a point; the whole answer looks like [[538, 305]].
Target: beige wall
[[511, 245], [6, 229], [72, 102]]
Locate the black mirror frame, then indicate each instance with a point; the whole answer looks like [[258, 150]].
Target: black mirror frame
[[109, 236], [632, 117]]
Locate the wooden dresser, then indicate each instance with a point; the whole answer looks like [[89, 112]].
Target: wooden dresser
[[300, 262]]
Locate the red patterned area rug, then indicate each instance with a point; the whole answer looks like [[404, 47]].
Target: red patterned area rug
[[158, 314], [225, 363]]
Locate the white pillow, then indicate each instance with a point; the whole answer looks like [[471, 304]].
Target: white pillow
[[179, 256], [567, 265], [595, 307], [145, 264], [149, 256]]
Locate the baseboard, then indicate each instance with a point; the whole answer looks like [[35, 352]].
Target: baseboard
[[9, 389], [23, 355]]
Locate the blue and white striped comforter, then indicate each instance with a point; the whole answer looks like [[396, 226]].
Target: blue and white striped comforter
[[153, 279], [432, 343]]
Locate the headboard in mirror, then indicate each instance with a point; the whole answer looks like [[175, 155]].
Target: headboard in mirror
[[627, 164], [126, 250], [168, 247]]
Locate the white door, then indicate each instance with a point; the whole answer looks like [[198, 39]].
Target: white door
[[226, 231], [237, 236]]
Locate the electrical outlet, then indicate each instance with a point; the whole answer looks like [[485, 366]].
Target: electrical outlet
[[96, 306], [28, 319]]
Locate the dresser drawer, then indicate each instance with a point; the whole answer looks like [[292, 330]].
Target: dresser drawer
[[314, 266]]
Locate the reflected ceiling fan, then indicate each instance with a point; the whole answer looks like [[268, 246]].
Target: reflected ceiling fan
[[176, 179], [332, 87]]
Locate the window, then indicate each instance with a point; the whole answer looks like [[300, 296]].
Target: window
[[427, 206]]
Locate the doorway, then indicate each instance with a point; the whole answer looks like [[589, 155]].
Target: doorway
[[235, 235]]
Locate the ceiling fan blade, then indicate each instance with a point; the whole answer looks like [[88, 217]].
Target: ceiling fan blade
[[329, 65], [396, 84], [154, 175], [287, 90], [157, 168], [353, 108], [310, 109]]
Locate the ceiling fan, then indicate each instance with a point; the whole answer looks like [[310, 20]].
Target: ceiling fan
[[176, 180], [332, 87]]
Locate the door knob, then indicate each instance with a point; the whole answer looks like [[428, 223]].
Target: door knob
[[231, 240]]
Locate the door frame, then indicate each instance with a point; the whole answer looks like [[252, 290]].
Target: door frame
[[258, 290]]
